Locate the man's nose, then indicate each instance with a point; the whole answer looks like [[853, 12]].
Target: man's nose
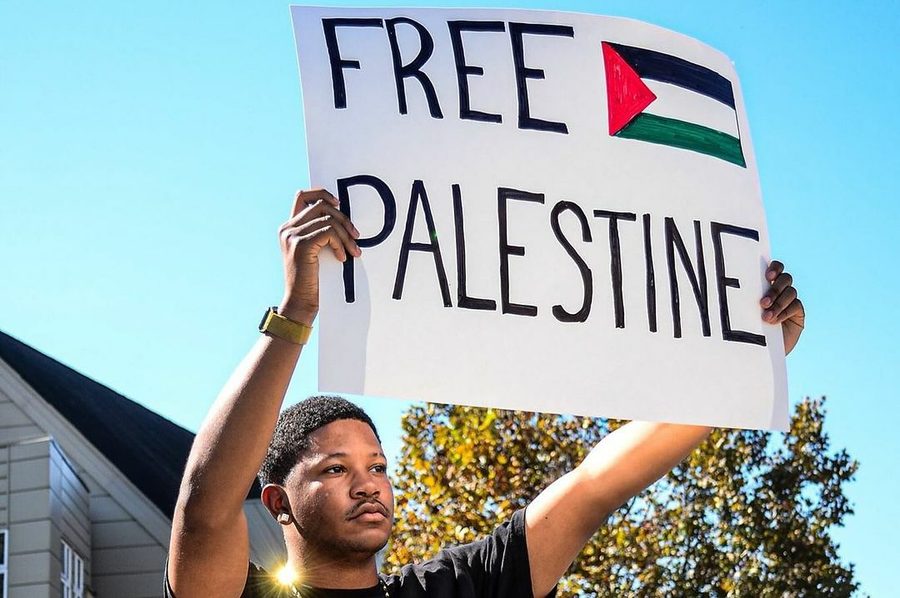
[[365, 485]]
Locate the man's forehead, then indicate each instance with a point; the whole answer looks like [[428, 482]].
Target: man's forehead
[[344, 437]]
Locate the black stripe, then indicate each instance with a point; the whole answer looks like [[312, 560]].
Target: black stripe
[[656, 66]]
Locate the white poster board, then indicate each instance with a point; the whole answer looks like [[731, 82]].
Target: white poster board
[[558, 212]]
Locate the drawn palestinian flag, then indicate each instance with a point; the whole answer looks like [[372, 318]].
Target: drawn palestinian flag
[[664, 99]]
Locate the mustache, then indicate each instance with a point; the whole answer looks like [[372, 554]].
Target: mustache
[[356, 509]]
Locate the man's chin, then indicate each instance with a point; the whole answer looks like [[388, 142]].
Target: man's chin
[[369, 541], [362, 549]]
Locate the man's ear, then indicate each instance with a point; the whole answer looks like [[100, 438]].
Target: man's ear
[[276, 500]]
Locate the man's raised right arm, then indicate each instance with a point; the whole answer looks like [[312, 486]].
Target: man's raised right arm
[[209, 547]]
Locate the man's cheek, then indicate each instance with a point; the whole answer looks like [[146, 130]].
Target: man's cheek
[[311, 506]]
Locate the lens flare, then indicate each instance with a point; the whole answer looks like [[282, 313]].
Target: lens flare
[[286, 576]]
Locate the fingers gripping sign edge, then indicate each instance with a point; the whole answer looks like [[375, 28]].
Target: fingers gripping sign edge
[[794, 311], [323, 231], [782, 306], [781, 292], [306, 197], [775, 268], [314, 213], [315, 222], [309, 204]]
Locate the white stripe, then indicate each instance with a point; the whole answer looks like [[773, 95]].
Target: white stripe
[[677, 102]]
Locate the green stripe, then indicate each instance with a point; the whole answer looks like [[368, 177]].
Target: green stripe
[[685, 135]]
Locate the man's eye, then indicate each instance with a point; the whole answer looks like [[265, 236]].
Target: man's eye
[[335, 469], [379, 468]]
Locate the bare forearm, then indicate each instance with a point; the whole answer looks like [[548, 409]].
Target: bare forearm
[[233, 438], [566, 514], [636, 455]]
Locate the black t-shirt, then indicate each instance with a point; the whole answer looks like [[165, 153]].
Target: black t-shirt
[[495, 566]]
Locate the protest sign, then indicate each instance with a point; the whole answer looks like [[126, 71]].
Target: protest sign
[[558, 212]]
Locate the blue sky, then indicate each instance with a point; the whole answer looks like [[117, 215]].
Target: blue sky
[[148, 153]]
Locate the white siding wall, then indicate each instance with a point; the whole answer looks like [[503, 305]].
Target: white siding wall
[[31, 557], [70, 516], [46, 503], [25, 503], [127, 561], [15, 425], [122, 560], [43, 501]]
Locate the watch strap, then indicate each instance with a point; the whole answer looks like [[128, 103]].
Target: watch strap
[[284, 328]]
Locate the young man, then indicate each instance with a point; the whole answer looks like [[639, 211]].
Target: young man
[[326, 478]]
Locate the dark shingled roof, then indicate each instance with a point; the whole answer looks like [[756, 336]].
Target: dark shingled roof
[[147, 448]]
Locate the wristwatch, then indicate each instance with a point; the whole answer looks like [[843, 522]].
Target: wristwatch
[[284, 328]]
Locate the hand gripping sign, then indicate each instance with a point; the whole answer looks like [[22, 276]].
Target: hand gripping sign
[[558, 212]]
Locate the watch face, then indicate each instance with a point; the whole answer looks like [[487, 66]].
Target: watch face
[[265, 318]]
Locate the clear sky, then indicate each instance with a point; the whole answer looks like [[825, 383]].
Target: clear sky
[[149, 151]]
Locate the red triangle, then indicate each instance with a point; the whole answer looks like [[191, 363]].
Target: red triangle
[[627, 96]]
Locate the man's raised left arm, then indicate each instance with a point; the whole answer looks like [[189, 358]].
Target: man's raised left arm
[[561, 520]]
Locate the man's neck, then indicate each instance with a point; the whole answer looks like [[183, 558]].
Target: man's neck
[[320, 571]]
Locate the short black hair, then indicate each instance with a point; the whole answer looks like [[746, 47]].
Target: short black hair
[[295, 424]]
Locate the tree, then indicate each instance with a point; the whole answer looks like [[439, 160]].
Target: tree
[[749, 513]]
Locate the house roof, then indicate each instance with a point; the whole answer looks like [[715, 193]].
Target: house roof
[[147, 448]]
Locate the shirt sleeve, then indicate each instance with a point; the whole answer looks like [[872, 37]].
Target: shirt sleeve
[[495, 566]]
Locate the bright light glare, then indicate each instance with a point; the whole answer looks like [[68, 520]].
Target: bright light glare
[[286, 576]]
